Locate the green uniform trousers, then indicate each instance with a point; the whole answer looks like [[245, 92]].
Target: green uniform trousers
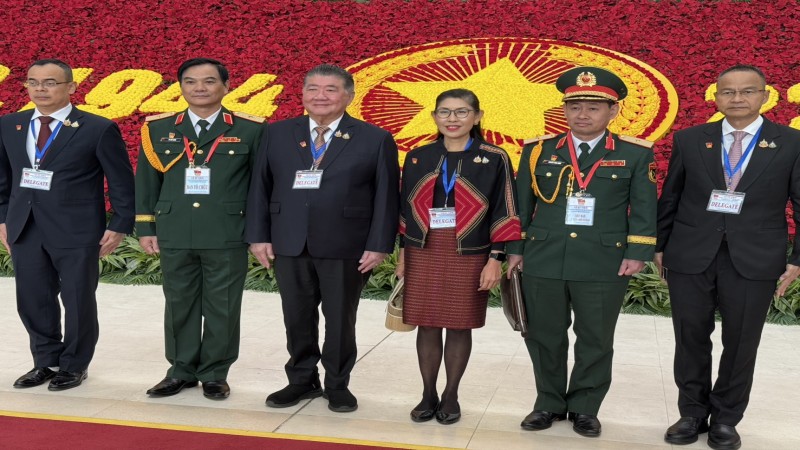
[[203, 292], [596, 306]]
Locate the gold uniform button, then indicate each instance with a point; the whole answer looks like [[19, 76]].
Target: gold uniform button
[[614, 177], [573, 235], [619, 244], [533, 238], [231, 152], [582, 175], [199, 152], [196, 205], [549, 174], [167, 152]]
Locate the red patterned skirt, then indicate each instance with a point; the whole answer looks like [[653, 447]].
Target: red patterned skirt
[[441, 286]]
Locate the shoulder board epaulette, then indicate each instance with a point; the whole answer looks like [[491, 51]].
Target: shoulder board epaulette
[[634, 140], [249, 117], [540, 138], [159, 116]]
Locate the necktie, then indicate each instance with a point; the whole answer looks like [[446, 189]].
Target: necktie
[[734, 155], [44, 132], [319, 141], [203, 128], [584, 153]]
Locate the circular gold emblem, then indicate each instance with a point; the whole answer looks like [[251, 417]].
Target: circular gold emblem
[[514, 79], [586, 79]]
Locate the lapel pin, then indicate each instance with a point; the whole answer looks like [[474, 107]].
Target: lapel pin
[[346, 136], [413, 160], [172, 135], [763, 144], [477, 159], [772, 145], [303, 144], [67, 123], [19, 127], [709, 145], [553, 157], [74, 124], [338, 133], [485, 160]]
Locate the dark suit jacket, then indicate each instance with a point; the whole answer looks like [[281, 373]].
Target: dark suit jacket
[[356, 207], [690, 236], [72, 213]]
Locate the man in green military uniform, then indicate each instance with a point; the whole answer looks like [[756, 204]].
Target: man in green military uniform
[[587, 202], [191, 187]]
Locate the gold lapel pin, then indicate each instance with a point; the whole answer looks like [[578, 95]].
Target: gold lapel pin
[[19, 127], [67, 123], [303, 144], [346, 136], [709, 145], [338, 133], [477, 159], [763, 144], [772, 145], [485, 160]]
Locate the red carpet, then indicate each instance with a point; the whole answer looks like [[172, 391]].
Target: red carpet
[[28, 431]]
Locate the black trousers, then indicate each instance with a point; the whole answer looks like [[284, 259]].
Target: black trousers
[[743, 306], [42, 272], [305, 283]]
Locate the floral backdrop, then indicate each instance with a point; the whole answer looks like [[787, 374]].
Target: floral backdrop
[[128, 51]]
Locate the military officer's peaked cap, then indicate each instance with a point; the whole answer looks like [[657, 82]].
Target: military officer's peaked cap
[[591, 83]]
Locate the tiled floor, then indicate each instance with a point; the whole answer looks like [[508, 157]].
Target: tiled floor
[[496, 393]]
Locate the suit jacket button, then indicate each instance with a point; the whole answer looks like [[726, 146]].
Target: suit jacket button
[[196, 205], [166, 152], [619, 244], [573, 235]]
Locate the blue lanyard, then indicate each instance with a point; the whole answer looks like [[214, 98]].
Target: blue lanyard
[[41, 152], [731, 172], [448, 185], [318, 152]]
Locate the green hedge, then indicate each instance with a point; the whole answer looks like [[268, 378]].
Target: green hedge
[[647, 294]]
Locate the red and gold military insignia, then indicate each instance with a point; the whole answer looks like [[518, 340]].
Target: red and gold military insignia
[[19, 127], [709, 144], [651, 172], [586, 79], [303, 144]]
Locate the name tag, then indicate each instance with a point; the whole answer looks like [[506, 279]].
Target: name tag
[[725, 202], [198, 181], [580, 210], [307, 179], [443, 218], [36, 179]]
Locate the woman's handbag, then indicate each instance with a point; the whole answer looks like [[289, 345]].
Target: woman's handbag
[[514, 302], [394, 309]]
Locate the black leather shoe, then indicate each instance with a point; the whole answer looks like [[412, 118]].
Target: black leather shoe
[[67, 380], [292, 394], [723, 437], [424, 415], [170, 386], [37, 376], [685, 430], [585, 424], [216, 390], [448, 418], [541, 420], [341, 400]]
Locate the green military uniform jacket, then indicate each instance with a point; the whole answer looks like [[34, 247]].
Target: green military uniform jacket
[[625, 210], [195, 221]]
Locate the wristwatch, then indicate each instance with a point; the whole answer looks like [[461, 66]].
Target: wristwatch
[[498, 256]]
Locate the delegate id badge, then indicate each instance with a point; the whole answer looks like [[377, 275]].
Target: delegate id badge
[[580, 209], [36, 179], [726, 202], [443, 218], [307, 179], [198, 181]]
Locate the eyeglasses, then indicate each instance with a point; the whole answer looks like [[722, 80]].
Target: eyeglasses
[[746, 93], [49, 84], [444, 113]]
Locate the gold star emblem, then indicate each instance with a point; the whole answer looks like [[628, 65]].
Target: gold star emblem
[[504, 92]]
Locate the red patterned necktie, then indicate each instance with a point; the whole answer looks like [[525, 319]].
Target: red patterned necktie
[[44, 132], [734, 155]]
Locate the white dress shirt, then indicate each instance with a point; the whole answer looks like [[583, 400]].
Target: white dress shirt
[[195, 118]]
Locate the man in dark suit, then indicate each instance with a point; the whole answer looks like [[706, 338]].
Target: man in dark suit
[[196, 222], [53, 219], [722, 238], [587, 202], [324, 206]]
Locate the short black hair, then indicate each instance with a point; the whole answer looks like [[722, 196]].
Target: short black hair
[[223, 71], [744, 68], [327, 70], [64, 66]]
